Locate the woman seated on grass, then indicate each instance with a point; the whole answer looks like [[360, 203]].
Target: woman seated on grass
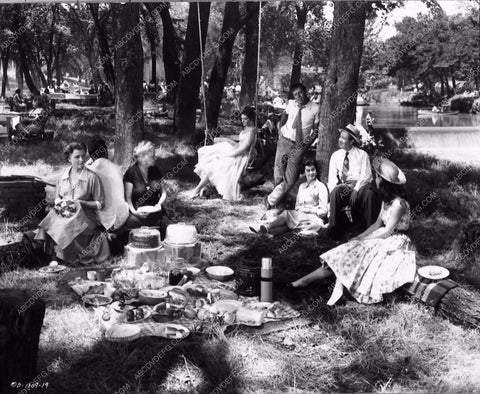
[[311, 207], [223, 163], [379, 260], [72, 226], [143, 188]]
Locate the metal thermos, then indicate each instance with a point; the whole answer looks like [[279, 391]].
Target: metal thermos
[[266, 280]]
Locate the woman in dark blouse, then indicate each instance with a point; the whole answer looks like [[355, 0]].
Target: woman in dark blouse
[[143, 188]]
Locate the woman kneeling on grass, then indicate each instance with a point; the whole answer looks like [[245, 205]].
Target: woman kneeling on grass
[[73, 224], [379, 260], [311, 207], [223, 163]]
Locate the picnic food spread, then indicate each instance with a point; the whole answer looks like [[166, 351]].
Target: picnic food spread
[[144, 238]]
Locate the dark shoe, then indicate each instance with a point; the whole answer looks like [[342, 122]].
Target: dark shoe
[[262, 230], [253, 230]]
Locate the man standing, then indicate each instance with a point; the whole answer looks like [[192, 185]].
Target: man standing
[[350, 184], [298, 129]]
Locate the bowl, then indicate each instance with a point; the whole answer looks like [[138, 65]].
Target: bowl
[[220, 273], [152, 297]]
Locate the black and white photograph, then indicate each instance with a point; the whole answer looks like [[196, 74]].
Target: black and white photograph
[[239, 196]]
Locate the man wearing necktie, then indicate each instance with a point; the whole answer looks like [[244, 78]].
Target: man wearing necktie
[[298, 129], [351, 184]]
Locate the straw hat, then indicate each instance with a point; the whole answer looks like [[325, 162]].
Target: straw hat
[[353, 131], [389, 171]]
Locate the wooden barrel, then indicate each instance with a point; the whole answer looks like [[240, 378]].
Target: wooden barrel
[[22, 198]]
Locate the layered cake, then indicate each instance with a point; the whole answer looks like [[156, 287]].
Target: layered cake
[[144, 238]]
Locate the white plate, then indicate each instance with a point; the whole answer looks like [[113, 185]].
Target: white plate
[[96, 299], [433, 272], [147, 209], [122, 333], [162, 329], [228, 305], [52, 270]]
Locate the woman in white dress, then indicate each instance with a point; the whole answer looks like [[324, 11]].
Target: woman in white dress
[[379, 260], [311, 207], [223, 163]]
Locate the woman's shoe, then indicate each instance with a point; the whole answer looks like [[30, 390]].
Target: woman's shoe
[[262, 230]]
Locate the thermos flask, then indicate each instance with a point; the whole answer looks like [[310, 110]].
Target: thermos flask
[[266, 281]]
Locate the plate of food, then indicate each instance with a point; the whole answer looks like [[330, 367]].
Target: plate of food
[[96, 299], [65, 208], [147, 209], [52, 268], [135, 315], [122, 333], [120, 308], [220, 273], [172, 331], [228, 305], [433, 272]]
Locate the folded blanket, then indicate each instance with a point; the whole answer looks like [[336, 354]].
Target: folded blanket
[[431, 293]]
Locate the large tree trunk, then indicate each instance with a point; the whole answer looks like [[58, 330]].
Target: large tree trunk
[[24, 64], [129, 76], [230, 28], [340, 89], [35, 61], [189, 87], [301, 9], [171, 60], [249, 69], [105, 53], [150, 30], [58, 61], [5, 58]]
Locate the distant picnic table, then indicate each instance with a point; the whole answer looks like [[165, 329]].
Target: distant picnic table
[[73, 97]]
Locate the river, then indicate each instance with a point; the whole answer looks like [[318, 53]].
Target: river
[[450, 137]]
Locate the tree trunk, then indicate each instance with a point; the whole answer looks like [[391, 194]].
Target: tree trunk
[[37, 67], [230, 28], [454, 83], [189, 87], [462, 307], [171, 60], [129, 76], [339, 97], [105, 53], [150, 30], [5, 58], [57, 63], [24, 64], [19, 75], [301, 9], [249, 69]]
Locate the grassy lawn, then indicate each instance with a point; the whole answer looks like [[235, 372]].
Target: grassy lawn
[[398, 346]]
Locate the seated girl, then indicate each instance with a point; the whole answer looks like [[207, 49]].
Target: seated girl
[[143, 188], [379, 260], [222, 164], [72, 227], [311, 207]]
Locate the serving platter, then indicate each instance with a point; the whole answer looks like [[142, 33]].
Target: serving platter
[[96, 299], [52, 269]]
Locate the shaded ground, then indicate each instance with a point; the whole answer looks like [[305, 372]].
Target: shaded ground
[[397, 346]]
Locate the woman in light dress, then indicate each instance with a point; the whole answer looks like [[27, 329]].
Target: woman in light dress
[[311, 207], [76, 236], [223, 163], [379, 260]]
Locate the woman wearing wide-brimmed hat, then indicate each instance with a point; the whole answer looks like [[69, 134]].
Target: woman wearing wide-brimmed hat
[[379, 260]]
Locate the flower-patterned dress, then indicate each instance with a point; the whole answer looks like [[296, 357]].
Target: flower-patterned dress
[[373, 267]]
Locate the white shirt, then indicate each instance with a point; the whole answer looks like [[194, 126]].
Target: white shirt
[[359, 170], [115, 212], [313, 195], [310, 116]]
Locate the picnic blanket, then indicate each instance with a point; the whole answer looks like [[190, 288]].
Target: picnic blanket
[[428, 291], [283, 311]]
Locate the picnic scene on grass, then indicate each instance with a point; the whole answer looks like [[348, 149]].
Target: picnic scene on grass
[[289, 204]]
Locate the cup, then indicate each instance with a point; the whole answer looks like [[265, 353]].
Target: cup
[[91, 275]]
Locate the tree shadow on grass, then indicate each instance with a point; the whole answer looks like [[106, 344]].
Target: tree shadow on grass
[[149, 364]]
